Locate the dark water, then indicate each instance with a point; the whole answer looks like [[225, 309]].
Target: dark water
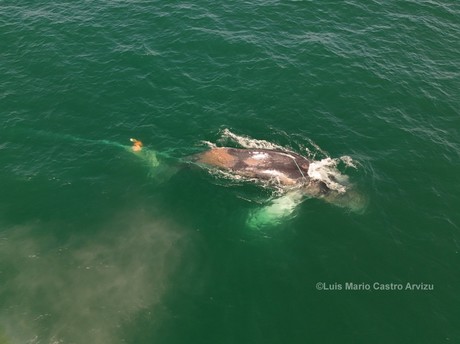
[[100, 245]]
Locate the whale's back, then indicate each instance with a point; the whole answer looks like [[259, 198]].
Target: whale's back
[[286, 167]]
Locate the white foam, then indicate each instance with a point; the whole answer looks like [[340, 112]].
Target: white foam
[[317, 149], [218, 173], [247, 142], [349, 162], [209, 144], [326, 171]]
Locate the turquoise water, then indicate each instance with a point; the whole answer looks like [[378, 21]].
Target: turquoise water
[[100, 245]]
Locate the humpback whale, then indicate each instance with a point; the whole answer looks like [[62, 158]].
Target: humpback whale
[[294, 176]]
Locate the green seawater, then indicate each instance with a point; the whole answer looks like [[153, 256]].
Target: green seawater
[[101, 245]]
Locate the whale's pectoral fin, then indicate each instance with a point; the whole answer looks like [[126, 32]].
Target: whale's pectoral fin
[[276, 211]]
